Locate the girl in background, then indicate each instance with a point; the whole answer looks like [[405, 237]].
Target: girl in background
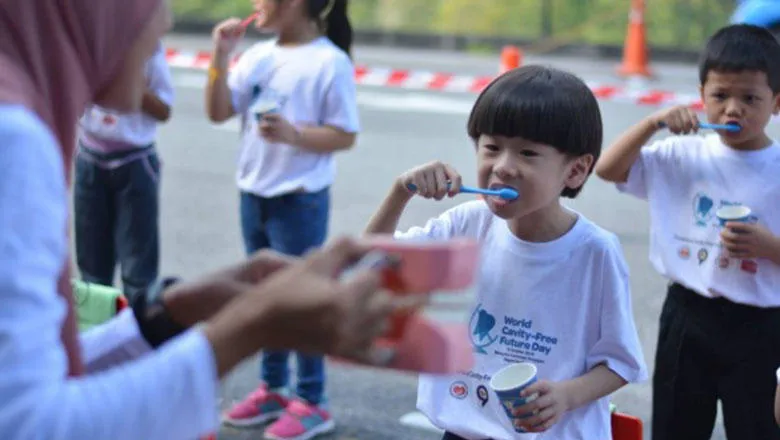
[[295, 95], [116, 187]]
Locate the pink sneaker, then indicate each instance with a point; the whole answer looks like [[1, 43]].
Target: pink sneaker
[[259, 407], [301, 421]]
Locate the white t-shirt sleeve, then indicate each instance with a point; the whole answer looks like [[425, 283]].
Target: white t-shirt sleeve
[[339, 107], [443, 227], [238, 82], [651, 160], [167, 394], [160, 80], [618, 344], [112, 343]]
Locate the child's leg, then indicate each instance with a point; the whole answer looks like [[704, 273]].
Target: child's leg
[[777, 404], [297, 223], [751, 357], [684, 382], [94, 221], [266, 403], [254, 216], [311, 378], [137, 223]]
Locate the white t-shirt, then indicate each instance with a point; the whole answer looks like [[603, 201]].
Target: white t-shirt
[[687, 179], [310, 85], [134, 129], [564, 305], [180, 376]]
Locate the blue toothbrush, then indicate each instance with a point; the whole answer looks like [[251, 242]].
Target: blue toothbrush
[[504, 193], [705, 125]]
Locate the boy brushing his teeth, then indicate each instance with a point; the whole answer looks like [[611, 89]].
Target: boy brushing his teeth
[[720, 324], [552, 288]]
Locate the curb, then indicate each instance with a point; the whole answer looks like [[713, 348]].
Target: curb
[[466, 42], [447, 82]]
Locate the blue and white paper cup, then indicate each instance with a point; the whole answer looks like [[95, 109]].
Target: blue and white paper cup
[[263, 108], [734, 213], [508, 383]]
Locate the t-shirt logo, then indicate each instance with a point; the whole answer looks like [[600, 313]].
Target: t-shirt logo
[[702, 209], [109, 120], [459, 390], [481, 324]]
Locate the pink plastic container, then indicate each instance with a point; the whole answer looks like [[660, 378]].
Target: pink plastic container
[[416, 343], [429, 266], [429, 347]]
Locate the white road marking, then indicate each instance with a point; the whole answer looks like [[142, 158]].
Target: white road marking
[[417, 420], [399, 101]]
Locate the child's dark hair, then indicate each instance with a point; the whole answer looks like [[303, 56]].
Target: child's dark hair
[[543, 105], [333, 19], [742, 47]]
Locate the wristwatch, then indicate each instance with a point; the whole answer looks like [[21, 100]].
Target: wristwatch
[[155, 322]]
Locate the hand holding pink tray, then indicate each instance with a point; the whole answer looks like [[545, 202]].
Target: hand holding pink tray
[[414, 343]]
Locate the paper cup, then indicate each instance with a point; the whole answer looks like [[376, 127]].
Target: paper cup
[[263, 108], [508, 383], [734, 213]]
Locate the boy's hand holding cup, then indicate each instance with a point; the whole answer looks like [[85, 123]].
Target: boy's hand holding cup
[[743, 238], [531, 405]]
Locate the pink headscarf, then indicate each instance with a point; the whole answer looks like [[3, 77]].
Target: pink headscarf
[[55, 55]]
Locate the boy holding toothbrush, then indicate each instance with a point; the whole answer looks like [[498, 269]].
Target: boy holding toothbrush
[[720, 324]]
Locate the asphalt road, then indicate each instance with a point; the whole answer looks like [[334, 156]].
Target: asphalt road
[[400, 129]]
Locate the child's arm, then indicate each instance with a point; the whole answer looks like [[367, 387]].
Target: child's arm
[[616, 162], [155, 107], [434, 180], [324, 139], [219, 99], [385, 219], [557, 398], [777, 404], [750, 240], [593, 385], [158, 98]]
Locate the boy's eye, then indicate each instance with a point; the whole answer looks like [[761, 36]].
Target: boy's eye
[[719, 96], [490, 147], [751, 98], [529, 153]]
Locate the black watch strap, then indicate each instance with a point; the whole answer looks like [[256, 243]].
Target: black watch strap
[[153, 319]]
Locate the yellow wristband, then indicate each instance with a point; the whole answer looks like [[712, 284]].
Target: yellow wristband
[[215, 73]]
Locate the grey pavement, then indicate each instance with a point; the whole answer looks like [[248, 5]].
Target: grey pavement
[[200, 226]]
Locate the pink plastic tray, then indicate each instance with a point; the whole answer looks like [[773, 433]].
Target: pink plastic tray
[[429, 347], [429, 266]]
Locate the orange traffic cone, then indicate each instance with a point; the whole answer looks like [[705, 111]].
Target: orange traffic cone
[[635, 59], [511, 58]]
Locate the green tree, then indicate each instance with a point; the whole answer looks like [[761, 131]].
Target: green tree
[[670, 23]]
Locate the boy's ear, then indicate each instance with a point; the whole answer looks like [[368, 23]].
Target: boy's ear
[[701, 93], [776, 110], [579, 170]]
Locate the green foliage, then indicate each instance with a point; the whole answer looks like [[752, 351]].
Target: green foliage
[[670, 23]]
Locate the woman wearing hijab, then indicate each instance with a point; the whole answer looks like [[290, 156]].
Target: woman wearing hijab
[[147, 374]]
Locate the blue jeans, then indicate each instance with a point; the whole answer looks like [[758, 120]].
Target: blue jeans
[[116, 218], [290, 224]]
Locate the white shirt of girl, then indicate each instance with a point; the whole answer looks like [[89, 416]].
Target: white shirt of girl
[[135, 129], [309, 85]]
